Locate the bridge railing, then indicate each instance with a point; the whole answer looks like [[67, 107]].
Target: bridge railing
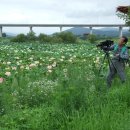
[[91, 26]]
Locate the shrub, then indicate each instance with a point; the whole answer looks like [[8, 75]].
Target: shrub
[[67, 37], [92, 38], [19, 38], [4, 35], [56, 39], [37, 92], [44, 38], [51, 39], [31, 36]]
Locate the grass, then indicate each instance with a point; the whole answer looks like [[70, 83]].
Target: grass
[[57, 87]]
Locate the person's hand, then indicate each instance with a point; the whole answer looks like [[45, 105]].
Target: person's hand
[[117, 55]]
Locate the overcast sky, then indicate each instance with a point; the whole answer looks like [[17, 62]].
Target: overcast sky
[[60, 11]]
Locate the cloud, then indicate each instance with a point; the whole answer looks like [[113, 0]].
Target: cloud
[[60, 11]]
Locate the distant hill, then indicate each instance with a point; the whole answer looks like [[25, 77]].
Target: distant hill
[[7, 34], [10, 34], [110, 32]]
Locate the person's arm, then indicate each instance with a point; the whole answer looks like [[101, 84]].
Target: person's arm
[[111, 47]]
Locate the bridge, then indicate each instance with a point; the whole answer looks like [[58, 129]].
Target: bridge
[[90, 26]]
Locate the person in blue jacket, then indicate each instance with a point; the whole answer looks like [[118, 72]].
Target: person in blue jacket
[[120, 56]]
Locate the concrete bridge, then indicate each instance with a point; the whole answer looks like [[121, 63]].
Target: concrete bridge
[[91, 26]]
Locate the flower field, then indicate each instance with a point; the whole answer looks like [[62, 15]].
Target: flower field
[[57, 87]]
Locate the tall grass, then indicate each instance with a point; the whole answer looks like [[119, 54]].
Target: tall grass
[[72, 96]]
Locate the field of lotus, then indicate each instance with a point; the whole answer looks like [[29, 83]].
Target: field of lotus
[[57, 87]]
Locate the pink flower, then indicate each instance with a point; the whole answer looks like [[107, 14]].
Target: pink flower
[[1, 80]]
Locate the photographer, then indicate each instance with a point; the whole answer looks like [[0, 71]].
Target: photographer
[[120, 56]]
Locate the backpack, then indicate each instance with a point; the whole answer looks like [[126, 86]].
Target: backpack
[[124, 48]]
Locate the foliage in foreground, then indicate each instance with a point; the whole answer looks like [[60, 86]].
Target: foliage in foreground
[[57, 87]]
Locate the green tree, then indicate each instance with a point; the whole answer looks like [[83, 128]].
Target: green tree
[[19, 38], [3, 34], [31, 36], [92, 38], [66, 37], [123, 12], [44, 38]]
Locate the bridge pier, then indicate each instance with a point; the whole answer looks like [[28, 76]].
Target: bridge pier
[[120, 31], [91, 30], [0, 31], [31, 30], [60, 28]]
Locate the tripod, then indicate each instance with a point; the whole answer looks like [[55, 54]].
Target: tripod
[[107, 56]]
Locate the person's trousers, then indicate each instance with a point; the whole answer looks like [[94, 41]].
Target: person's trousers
[[116, 67]]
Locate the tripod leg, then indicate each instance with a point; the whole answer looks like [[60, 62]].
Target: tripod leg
[[102, 64], [110, 63]]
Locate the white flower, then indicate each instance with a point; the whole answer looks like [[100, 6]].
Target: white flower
[[49, 67], [17, 58], [8, 73], [90, 55], [27, 68], [70, 60], [61, 60], [22, 67], [14, 68], [4, 63], [31, 58], [62, 57], [49, 71], [65, 70], [32, 65], [74, 56], [18, 63], [51, 59], [36, 62], [16, 51], [8, 63], [54, 64], [97, 60]]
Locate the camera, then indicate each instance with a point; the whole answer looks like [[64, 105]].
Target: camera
[[104, 45]]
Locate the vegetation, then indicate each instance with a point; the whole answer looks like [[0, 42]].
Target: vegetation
[[57, 87], [91, 38], [64, 37], [124, 13], [19, 38]]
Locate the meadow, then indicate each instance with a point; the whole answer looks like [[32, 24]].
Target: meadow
[[57, 87]]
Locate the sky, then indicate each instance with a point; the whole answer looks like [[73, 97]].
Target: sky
[[59, 12]]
